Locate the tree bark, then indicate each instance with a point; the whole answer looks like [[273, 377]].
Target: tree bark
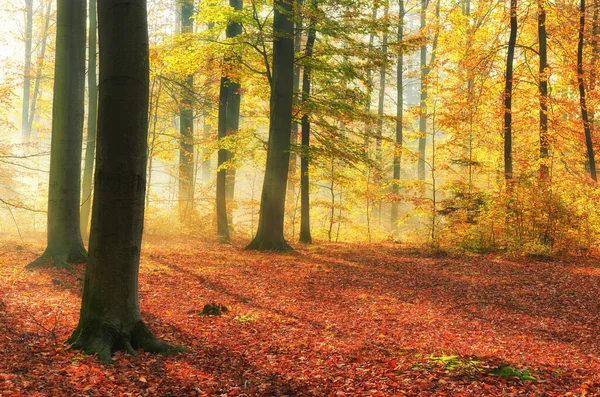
[[305, 236], [90, 148], [110, 316], [64, 238], [228, 123], [423, 99], [25, 127], [543, 88], [399, 117], [512, 42], [186, 128], [272, 205], [582, 99]]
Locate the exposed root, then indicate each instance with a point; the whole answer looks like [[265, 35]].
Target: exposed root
[[260, 244], [104, 338], [60, 261]]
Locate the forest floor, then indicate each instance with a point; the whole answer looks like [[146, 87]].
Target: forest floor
[[324, 320]]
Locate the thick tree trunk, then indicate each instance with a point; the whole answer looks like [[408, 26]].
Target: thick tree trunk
[[272, 206], [39, 66], [512, 42], [110, 317], [186, 128], [399, 117], [90, 149], [305, 236], [64, 238], [582, 100], [25, 126], [229, 120], [543, 87]]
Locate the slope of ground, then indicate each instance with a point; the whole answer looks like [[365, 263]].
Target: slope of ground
[[325, 320]]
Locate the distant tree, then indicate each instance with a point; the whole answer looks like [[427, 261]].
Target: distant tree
[[582, 99], [90, 148], [543, 75], [305, 236], [186, 127], [399, 116], [228, 123], [512, 42], [110, 316], [25, 126], [64, 238], [272, 206]]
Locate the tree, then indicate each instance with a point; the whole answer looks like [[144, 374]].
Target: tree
[[64, 238], [228, 123], [269, 235], [90, 148], [305, 236], [508, 85], [543, 87], [186, 127], [399, 117], [110, 316], [425, 69], [25, 126], [582, 100]]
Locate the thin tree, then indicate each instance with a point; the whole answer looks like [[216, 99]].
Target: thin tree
[[90, 148], [425, 69], [582, 100], [110, 316], [39, 66], [269, 235], [508, 87], [228, 123], [25, 127], [186, 127], [64, 238], [543, 88], [305, 236], [399, 116]]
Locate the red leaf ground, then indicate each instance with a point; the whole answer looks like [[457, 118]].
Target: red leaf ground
[[326, 320]]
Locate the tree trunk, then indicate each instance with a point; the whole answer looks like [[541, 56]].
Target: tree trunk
[[272, 205], [64, 238], [90, 148], [291, 194], [305, 236], [423, 99], [229, 120], [425, 69], [543, 87], [110, 316], [186, 128], [512, 42], [399, 117], [39, 67], [25, 127], [382, 77], [582, 100]]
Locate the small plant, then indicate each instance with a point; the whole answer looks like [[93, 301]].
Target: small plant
[[506, 371], [214, 309], [245, 318], [455, 363]]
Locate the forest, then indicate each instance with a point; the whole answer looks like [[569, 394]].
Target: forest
[[299, 198]]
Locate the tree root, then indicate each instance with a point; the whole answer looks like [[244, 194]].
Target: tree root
[[59, 261], [103, 338], [260, 244]]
